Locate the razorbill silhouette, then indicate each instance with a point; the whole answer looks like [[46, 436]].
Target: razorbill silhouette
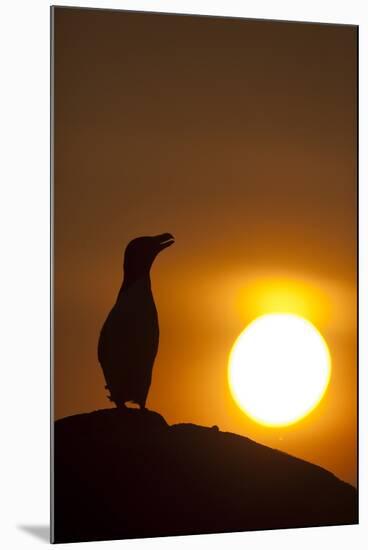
[[129, 337]]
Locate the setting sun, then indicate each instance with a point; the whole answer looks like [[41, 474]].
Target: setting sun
[[279, 369]]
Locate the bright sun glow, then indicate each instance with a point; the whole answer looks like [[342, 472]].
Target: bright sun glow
[[279, 369]]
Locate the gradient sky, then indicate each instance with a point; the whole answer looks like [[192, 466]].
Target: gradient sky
[[239, 137]]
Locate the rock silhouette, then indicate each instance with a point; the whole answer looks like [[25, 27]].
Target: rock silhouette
[[129, 338], [125, 473]]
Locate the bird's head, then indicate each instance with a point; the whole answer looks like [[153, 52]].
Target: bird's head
[[141, 252]]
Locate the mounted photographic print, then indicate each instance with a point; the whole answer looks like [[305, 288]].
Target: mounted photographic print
[[204, 184]]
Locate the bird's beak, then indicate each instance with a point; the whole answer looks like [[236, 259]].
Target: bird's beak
[[164, 240]]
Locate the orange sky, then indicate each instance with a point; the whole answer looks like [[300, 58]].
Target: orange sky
[[239, 137]]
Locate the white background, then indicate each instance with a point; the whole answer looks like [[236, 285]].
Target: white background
[[24, 269]]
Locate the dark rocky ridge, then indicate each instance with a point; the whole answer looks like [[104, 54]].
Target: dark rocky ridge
[[127, 473]]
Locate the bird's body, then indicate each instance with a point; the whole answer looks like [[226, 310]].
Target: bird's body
[[128, 344], [129, 338]]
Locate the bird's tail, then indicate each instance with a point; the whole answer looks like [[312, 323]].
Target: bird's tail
[[109, 397]]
